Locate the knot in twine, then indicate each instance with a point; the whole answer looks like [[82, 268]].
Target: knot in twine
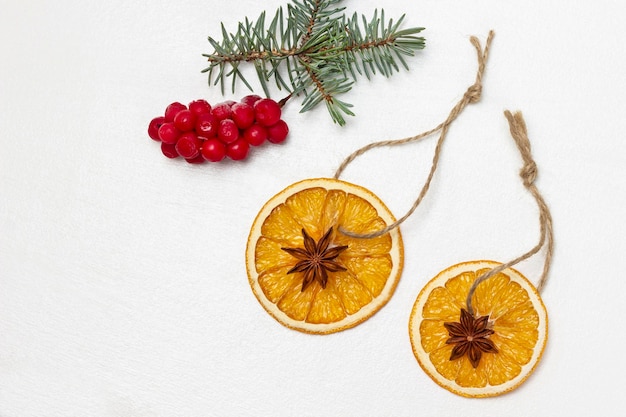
[[520, 135], [472, 95], [528, 173]]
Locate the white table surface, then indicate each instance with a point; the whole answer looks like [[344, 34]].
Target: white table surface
[[123, 289]]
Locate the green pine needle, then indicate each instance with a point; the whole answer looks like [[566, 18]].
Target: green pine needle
[[313, 50]]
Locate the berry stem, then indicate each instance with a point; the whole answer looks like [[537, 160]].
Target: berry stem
[[284, 100]]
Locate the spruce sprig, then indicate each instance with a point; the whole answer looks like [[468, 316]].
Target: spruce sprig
[[313, 49]]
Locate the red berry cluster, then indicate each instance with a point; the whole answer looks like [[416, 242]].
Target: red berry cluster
[[200, 132]]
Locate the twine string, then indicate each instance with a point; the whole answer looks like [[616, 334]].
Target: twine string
[[528, 173], [472, 95]]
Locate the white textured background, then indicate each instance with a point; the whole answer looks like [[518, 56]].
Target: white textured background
[[123, 290]]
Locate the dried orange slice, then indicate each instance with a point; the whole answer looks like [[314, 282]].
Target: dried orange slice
[[490, 353], [306, 273]]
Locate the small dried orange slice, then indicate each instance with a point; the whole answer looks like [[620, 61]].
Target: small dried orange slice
[[310, 276], [488, 354]]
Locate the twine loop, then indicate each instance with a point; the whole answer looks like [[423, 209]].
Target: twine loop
[[472, 95], [528, 174]]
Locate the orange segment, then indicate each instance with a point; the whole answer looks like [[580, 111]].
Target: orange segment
[[295, 303], [458, 288], [283, 227], [434, 335], [270, 254], [327, 306], [373, 272], [469, 376], [517, 317], [511, 296], [448, 369], [503, 368], [357, 215], [333, 209], [441, 306], [358, 280], [518, 353], [521, 317], [306, 207], [486, 295], [273, 283], [352, 293]]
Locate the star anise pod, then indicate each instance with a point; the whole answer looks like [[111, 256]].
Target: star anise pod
[[471, 337], [316, 260]]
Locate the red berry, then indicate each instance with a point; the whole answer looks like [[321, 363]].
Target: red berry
[[206, 125], [251, 99], [213, 150], [237, 150], [188, 145], [172, 110], [278, 132], [267, 111], [243, 115], [197, 160], [222, 111], [255, 135], [168, 133], [199, 107], [185, 120], [228, 131], [153, 127], [169, 150]]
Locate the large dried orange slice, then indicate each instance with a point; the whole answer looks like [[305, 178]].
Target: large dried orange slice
[[490, 352], [309, 275]]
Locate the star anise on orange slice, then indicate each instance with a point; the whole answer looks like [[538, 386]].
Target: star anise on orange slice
[[316, 259], [471, 337]]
